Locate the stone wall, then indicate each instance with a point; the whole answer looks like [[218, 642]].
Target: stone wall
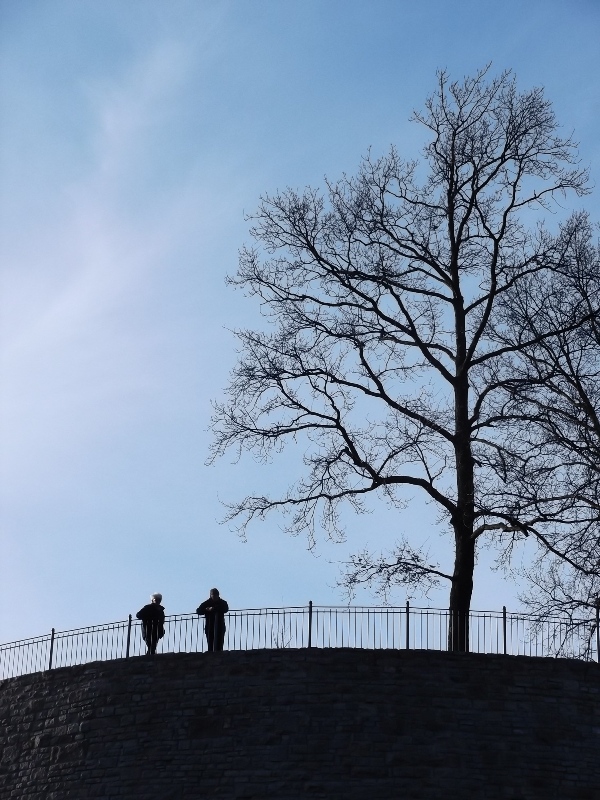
[[293, 724]]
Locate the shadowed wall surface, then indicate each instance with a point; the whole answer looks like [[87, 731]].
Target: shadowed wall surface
[[305, 724]]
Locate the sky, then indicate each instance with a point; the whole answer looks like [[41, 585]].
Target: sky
[[135, 138]]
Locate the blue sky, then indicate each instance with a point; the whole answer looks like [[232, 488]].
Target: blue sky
[[134, 138]]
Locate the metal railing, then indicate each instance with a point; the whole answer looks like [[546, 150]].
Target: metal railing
[[364, 627]]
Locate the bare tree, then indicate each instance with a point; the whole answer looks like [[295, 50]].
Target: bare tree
[[382, 296], [553, 402]]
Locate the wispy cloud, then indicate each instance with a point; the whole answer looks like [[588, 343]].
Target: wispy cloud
[[73, 344]]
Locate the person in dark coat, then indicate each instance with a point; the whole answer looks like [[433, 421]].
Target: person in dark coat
[[214, 610], [153, 622]]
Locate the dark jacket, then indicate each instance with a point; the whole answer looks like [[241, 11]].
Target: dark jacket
[[153, 619], [213, 609]]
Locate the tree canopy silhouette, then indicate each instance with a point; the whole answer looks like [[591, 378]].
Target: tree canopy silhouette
[[388, 343]]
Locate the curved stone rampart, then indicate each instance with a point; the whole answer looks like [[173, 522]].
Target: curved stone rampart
[[291, 724]]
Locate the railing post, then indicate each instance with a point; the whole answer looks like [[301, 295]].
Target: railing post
[[310, 623], [504, 627], [128, 637], [51, 649], [407, 625]]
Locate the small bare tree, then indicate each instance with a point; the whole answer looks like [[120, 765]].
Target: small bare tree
[[383, 297], [552, 398]]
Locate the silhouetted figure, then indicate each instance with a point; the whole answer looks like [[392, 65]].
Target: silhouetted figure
[[214, 610], [153, 622]]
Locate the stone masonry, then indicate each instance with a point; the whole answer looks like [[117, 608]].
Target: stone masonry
[[291, 724]]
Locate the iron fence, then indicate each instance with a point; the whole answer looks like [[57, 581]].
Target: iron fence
[[403, 627]]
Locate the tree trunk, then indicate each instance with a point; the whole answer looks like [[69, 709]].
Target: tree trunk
[[460, 593], [464, 518]]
